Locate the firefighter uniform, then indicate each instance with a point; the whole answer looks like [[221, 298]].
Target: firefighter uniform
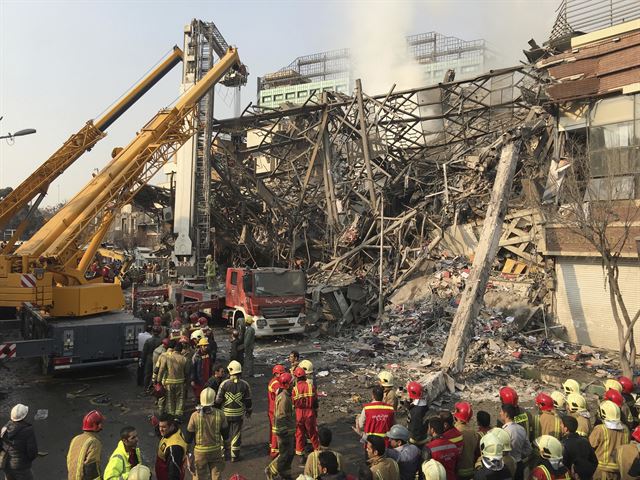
[[470, 445], [584, 423], [234, 397], [390, 397], [455, 437], [171, 457], [312, 467], [525, 419], [606, 442], [547, 423], [384, 468], [445, 452], [210, 430], [305, 401], [272, 390], [379, 417], [83, 459], [627, 454], [284, 427], [172, 371], [545, 471]]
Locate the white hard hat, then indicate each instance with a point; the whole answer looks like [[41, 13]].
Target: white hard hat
[[140, 472], [234, 367], [434, 470], [19, 412], [207, 397], [197, 335]]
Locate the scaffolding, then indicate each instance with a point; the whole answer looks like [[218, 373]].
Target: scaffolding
[[433, 47], [584, 16]]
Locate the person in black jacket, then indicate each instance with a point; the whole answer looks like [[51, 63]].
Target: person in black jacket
[[19, 441], [578, 454]]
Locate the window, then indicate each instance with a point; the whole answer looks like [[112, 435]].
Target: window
[[266, 98], [277, 97], [234, 278], [302, 94], [290, 95], [341, 88]]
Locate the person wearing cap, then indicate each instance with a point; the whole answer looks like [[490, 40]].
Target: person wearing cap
[[147, 354], [550, 466], [416, 412], [520, 446], [547, 422], [85, 450], [382, 466], [407, 456], [249, 341], [509, 462], [578, 454], [470, 439], [172, 450], [312, 466], [577, 407], [492, 465], [606, 438], [451, 433], [209, 430], [19, 443], [386, 380], [628, 455], [201, 368]]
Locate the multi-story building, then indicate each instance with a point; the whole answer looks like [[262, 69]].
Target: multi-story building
[[310, 75]]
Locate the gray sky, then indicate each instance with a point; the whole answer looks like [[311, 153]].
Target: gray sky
[[64, 62]]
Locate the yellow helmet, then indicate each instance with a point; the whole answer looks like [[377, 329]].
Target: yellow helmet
[[610, 411], [248, 320], [503, 436], [203, 342], [234, 367], [207, 397], [306, 365], [558, 400], [576, 402], [491, 447], [571, 386], [433, 470], [549, 447], [140, 472], [612, 384], [386, 378]]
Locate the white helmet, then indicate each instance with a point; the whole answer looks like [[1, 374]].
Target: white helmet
[[386, 378], [207, 397], [197, 335], [433, 470], [140, 472], [234, 367], [19, 412]]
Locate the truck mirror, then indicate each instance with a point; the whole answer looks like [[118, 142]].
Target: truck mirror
[[247, 284]]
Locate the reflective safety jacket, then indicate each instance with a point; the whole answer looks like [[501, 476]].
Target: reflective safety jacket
[[171, 457], [606, 442], [379, 417], [584, 424], [445, 452], [208, 428], [234, 397], [119, 467], [470, 447], [83, 459], [547, 423], [272, 391], [284, 423], [172, 368], [305, 399], [545, 471], [627, 454], [455, 437]]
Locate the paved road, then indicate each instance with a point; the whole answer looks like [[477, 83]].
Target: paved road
[[67, 398]]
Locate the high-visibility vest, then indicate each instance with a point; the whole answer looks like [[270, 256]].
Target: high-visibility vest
[[379, 418], [162, 464]]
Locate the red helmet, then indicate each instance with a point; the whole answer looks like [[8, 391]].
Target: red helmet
[[415, 390], [203, 321], [615, 396], [627, 384], [544, 402], [299, 372], [92, 421], [278, 369], [463, 412], [165, 342], [636, 434], [157, 321], [285, 380], [193, 317], [508, 396], [237, 476]]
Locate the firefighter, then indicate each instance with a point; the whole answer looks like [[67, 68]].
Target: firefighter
[[441, 449], [284, 427], [616, 397], [376, 417], [140, 472], [628, 454], [307, 366], [470, 439], [172, 372], [386, 380], [249, 341], [272, 390], [211, 269], [83, 458], [147, 354], [382, 466], [571, 386], [451, 433], [171, 456], [606, 438], [234, 396], [126, 455], [550, 466], [629, 398], [417, 410], [492, 459], [294, 360], [305, 402], [559, 402], [509, 462], [207, 333], [546, 422], [201, 368], [209, 430], [176, 330], [508, 396], [577, 407]]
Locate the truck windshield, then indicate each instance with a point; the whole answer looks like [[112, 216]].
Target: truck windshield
[[272, 284]]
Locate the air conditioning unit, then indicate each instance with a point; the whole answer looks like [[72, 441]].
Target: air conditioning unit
[[167, 214]]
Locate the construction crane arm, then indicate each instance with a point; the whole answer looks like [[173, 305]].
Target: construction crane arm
[[38, 182]]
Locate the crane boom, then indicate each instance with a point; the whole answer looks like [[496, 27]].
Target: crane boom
[[54, 248], [80, 142]]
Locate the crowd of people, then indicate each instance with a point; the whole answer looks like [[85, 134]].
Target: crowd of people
[[560, 440]]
